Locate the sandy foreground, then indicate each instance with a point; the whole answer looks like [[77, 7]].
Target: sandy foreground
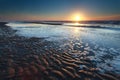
[[33, 58]]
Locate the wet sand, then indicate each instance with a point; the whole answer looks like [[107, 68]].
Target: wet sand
[[34, 58]]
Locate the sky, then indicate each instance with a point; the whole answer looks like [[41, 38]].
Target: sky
[[14, 10]]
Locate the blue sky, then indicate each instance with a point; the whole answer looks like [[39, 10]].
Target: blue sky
[[58, 9]]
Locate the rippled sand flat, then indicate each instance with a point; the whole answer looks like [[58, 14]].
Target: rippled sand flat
[[39, 52]]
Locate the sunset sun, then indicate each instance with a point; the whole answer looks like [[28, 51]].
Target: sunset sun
[[77, 18]]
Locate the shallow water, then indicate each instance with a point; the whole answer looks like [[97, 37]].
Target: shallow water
[[104, 43]]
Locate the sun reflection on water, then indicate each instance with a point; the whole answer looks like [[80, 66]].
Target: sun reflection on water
[[76, 23]]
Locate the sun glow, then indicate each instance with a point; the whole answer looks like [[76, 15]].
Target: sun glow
[[77, 18]]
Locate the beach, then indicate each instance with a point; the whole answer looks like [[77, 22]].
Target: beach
[[43, 58]]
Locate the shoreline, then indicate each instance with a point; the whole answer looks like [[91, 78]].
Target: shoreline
[[34, 58]]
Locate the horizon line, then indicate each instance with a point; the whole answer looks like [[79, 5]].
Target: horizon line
[[53, 20]]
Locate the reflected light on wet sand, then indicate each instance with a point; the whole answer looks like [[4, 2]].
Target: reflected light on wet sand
[[76, 31]]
